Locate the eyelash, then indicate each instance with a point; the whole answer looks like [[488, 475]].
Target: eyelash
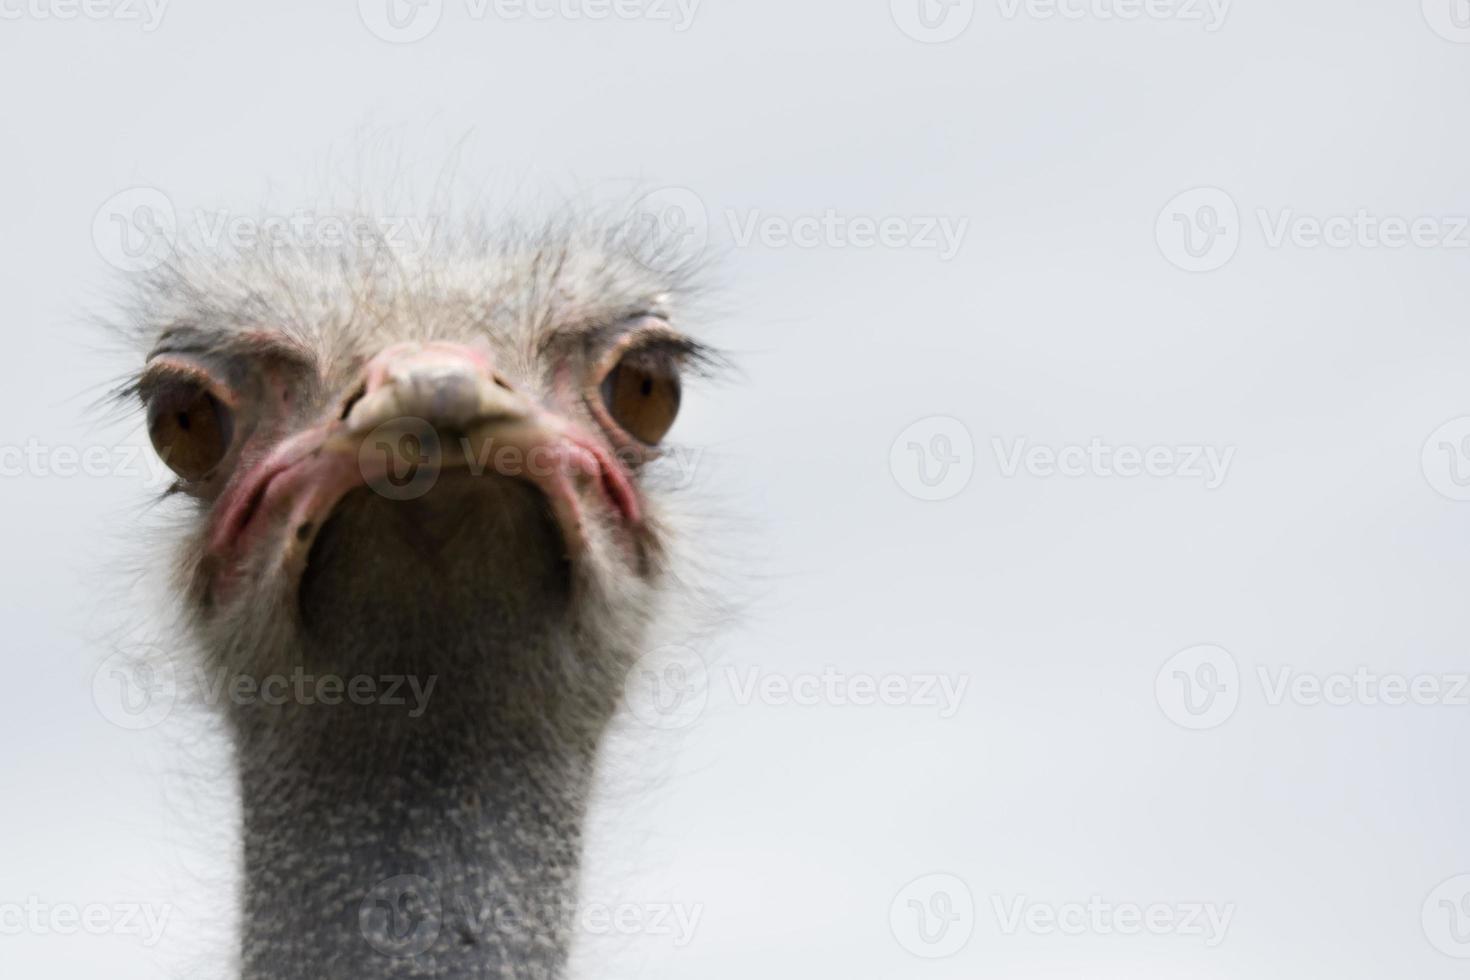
[[658, 347]]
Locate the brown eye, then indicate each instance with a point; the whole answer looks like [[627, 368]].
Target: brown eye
[[642, 395], [190, 429]]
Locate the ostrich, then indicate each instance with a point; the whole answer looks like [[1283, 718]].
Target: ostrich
[[435, 468]]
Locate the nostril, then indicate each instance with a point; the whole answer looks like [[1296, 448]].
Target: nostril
[[501, 382], [352, 400]]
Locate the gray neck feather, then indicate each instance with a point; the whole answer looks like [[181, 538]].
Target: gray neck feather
[[449, 850]]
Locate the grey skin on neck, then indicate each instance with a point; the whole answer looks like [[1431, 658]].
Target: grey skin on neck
[[427, 857], [446, 845]]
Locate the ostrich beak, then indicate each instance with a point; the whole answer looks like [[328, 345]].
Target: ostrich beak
[[450, 386], [419, 411]]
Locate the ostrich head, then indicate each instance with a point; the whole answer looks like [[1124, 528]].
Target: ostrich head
[[438, 474]]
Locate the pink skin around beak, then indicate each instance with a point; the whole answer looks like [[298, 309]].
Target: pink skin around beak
[[448, 400]]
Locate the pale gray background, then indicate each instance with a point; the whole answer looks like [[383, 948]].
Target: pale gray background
[[1060, 599]]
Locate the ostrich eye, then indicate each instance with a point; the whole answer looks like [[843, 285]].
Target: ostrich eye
[[642, 394], [190, 429]]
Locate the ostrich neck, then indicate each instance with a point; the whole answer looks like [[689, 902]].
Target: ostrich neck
[[375, 847]]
